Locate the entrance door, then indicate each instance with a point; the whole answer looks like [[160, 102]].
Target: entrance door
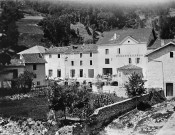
[[169, 89]]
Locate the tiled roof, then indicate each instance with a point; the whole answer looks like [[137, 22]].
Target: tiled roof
[[158, 43], [56, 50], [140, 35], [73, 49], [167, 43], [34, 49], [129, 67], [33, 58]]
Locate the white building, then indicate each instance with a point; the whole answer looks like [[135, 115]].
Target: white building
[[121, 48], [160, 67], [84, 62], [75, 62]]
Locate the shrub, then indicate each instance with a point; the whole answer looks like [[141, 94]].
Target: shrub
[[135, 86], [143, 106], [24, 80]]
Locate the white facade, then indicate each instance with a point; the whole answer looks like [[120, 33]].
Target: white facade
[[85, 62], [160, 69], [81, 66], [86, 66], [119, 55], [53, 64]]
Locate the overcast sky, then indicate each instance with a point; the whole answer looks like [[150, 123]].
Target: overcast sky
[[124, 1]]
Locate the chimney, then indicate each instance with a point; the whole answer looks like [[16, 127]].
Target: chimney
[[162, 42]]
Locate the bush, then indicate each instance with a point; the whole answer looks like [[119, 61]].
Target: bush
[[143, 106], [24, 80], [135, 86]]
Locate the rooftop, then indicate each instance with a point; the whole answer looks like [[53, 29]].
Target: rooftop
[[160, 42], [117, 36], [34, 49], [172, 43], [73, 49], [33, 58]]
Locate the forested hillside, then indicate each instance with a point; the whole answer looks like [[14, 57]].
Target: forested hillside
[[68, 23], [96, 18]]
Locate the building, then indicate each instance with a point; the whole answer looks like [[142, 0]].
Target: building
[[10, 72], [114, 50], [160, 67], [123, 47], [34, 49], [35, 63], [75, 62]]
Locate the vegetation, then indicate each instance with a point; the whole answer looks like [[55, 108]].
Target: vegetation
[[8, 30], [24, 80], [135, 86], [68, 98]]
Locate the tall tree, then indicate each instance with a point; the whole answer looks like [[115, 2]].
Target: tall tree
[[135, 86]]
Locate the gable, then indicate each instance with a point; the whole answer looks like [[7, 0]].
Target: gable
[[164, 51], [129, 41]]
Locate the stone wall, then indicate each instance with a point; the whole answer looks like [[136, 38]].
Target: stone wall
[[104, 114]]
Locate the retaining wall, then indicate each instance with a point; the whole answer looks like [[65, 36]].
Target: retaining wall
[[103, 114]]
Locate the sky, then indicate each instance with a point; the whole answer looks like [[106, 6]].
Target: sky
[[123, 1], [127, 2]]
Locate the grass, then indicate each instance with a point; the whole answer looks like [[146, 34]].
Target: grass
[[35, 108]]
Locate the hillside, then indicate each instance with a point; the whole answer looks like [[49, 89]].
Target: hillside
[[30, 33]]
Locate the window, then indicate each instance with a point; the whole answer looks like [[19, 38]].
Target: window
[[50, 56], [90, 54], [91, 73], [90, 62], [81, 55], [35, 76], [137, 60], [34, 67], [130, 61], [59, 55], [58, 72], [81, 72], [171, 54], [118, 51], [81, 62], [50, 72], [106, 61], [72, 72], [106, 51], [72, 63], [38, 83]]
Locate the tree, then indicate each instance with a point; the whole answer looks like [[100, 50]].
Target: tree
[[67, 97], [24, 80], [167, 27], [135, 86], [8, 30]]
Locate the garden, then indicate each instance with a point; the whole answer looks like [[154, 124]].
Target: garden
[[28, 113]]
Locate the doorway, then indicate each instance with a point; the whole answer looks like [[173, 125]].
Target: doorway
[[169, 89]]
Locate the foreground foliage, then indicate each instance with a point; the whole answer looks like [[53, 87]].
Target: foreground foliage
[[135, 86]]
